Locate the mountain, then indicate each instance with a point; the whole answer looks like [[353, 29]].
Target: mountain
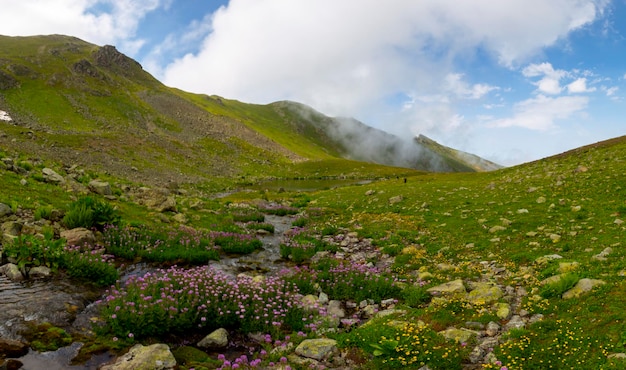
[[78, 103]]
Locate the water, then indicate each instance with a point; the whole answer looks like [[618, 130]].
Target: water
[[66, 304]]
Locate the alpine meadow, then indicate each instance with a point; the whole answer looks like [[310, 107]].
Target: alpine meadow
[[147, 227]]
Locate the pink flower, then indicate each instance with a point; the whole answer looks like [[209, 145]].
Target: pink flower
[[131, 335]]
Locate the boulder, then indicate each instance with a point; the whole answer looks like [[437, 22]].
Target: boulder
[[5, 210], [158, 199], [451, 287], [100, 187], [12, 272], [12, 348], [39, 272], [484, 293], [11, 228], [78, 236], [139, 357], [459, 335], [49, 175], [583, 286], [317, 349], [217, 339]]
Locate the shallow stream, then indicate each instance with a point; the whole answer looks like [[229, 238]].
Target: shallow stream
[[65, 304]]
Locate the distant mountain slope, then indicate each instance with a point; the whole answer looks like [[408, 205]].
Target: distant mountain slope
[[79, 103]]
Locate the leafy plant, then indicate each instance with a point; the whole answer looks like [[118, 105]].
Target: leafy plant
[[31, 251], [90, 212], [557, 288]]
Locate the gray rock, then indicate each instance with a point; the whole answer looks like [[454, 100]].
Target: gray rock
[[39, 272], [217, 339], [12, 272], [484, 293], [5, 210], [49, 175], [11, 228], [154, 357], [335, 310], [451, 287], [78, 236], [516, 322], [492, 328], [583, 286], [100, 187], [317, 349]]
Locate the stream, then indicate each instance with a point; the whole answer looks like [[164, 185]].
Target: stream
[[68, 305]]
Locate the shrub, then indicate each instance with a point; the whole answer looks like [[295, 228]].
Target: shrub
[[89, 212], [416, 296], [43, 212], [91, 264], [236, 243], [31, 251], [177, 300], [557, 288], [261, 226]]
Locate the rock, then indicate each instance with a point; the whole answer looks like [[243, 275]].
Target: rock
[[334, 309], [576, 208], [516, 322], [78, 236], [497, 228], [620, 356], [182, 219], [451, 287], [484, 293], [5, 210], [317, 349], [604, 254], [49, 175], [39, 272], [370, 192], [476, 355], [547, 258], [583, 286], [541, 200], [158, 199], [100, 187], [12, 348], [459, 335], [154, 357], [11, 228], [503, 310], [323, 298], [11, 271], [493, 328], [217, 339], [396, 199], [10, 364], [618, 221], [568, 266]]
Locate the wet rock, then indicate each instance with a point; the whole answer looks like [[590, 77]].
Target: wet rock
[[100, 187], [49, 175], [583, 286], [78, 236], [154, 357], [11, 271], [217, 339], [317, 349], [12, 348]]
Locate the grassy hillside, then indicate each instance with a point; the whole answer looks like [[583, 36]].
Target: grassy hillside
[[82, 104]]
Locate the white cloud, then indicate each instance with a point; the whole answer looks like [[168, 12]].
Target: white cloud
[[454, 84], [341, 57], [97, 21], [541, 112], [550, 77], [579, 86], [610, 91]]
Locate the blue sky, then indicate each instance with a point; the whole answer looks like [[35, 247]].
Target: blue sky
[[511, 81]]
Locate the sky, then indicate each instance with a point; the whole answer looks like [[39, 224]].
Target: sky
[[511, 81]]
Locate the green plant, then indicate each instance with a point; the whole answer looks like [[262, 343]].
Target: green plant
[[43, 212], [90, 264], [416, 296], [90, 212], [560, 286], [32, 251]]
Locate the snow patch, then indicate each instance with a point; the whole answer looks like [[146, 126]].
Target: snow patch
[[4, 116]]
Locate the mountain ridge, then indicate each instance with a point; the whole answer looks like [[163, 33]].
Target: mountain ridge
[[92, 105]]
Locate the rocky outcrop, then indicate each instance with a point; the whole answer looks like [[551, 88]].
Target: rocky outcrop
[[49, 175]]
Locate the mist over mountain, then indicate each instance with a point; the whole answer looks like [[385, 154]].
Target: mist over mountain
[[80, 103]]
